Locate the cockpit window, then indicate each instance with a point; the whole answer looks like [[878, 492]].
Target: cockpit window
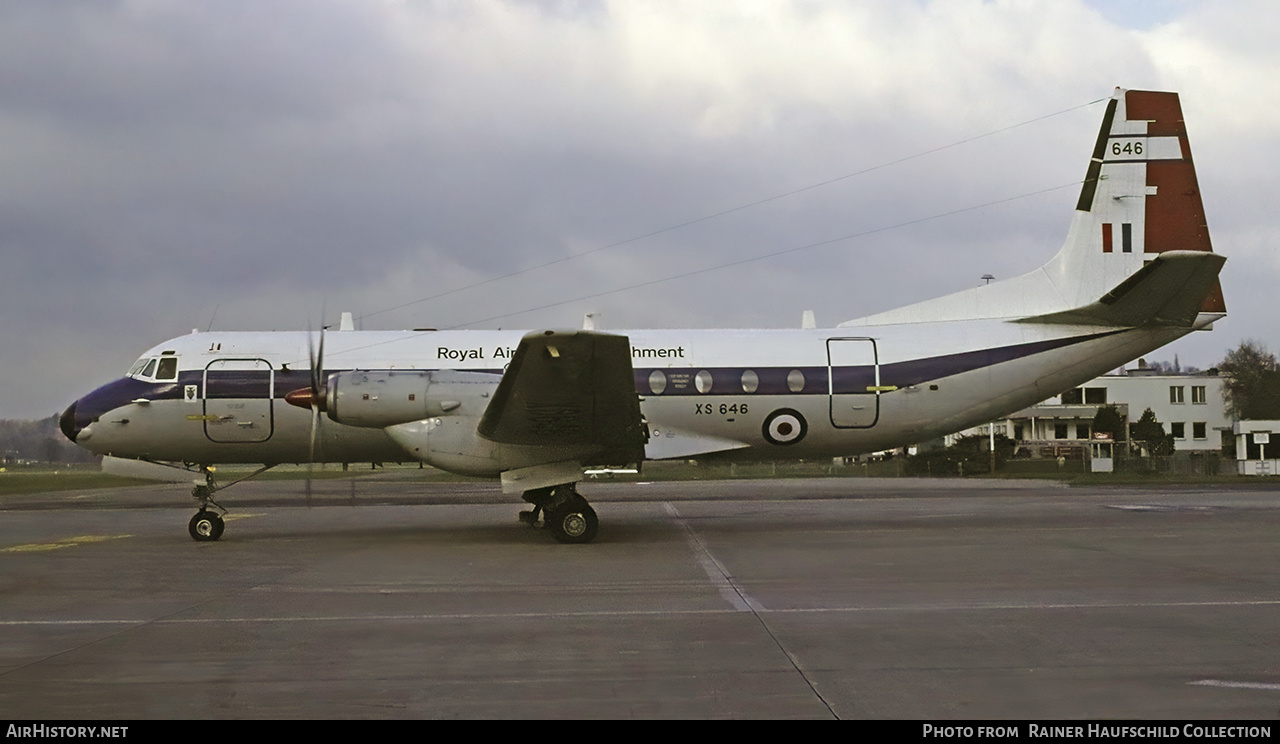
[[168, 369], [136, 369], [151, 367]]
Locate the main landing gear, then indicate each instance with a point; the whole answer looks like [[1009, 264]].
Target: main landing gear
[[569, 517]]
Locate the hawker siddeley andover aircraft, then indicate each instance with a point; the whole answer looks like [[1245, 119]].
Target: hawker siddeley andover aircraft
[[536, 408]]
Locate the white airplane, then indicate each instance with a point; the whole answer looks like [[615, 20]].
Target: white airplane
[[535, 409]]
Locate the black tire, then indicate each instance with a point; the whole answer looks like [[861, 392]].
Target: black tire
[[206, 526], [574, 523]]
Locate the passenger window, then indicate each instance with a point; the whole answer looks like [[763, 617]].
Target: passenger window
[[795, 381], [151, 367], [657, 382], [168, 369], [703, 381]]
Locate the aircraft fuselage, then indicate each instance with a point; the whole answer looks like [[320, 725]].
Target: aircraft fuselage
[[744, 394]]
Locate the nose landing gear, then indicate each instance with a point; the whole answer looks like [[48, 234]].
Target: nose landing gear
[[207, 524]]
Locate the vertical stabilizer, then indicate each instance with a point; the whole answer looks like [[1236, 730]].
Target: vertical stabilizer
[[1139, 199]]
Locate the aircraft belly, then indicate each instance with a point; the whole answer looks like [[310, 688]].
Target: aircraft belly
[[919, 413], [746, 428], [174, 430], [669, 443], [452, 443]]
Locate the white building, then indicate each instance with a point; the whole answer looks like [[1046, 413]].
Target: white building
[[1189, 406]]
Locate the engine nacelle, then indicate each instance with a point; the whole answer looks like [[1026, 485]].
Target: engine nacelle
[[382, 398]]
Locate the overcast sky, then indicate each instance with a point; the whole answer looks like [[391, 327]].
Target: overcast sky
[[242, 165]]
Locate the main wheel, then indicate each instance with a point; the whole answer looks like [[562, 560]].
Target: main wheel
[[206, 526], [573, 523]]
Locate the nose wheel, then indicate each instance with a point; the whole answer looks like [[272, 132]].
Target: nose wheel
[[206, 526]]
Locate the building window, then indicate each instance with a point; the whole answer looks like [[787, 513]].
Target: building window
[[1095, 396], [1082, 431], [1199, 430], [1072, 397], [1178, 429], [1059, 431], [1197, 394], [1175, 394]]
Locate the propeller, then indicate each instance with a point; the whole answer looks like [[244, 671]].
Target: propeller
[[312, 397]]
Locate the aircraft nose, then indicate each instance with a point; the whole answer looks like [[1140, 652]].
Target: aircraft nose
[[67, 422]]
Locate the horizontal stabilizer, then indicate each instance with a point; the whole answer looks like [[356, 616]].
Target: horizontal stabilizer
[[1168, 291], [569, 388]]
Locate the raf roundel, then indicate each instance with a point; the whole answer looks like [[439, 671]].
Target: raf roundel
[[784, 426]]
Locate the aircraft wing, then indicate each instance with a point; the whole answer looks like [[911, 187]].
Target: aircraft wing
[[573, 388], [1169, 291]]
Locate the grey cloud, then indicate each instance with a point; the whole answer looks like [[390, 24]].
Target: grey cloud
[[158, 161]]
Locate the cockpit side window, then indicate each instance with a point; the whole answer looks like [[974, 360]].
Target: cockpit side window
[[150, 368], [168, 369]]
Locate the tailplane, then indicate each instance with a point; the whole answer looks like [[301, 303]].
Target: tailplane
[[1138, 249]]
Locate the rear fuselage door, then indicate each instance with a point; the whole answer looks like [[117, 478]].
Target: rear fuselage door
[[853, 379], [238, 400]]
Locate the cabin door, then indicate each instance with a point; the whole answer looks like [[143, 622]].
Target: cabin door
[[238, 400], [853, 382]]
